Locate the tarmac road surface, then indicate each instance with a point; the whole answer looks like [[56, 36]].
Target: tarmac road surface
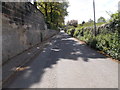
[[68, 63]]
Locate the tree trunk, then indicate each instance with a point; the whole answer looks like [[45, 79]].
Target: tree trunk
[[46, 14], [51, 9]]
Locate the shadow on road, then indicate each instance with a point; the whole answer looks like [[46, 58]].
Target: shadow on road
[[62, 47]]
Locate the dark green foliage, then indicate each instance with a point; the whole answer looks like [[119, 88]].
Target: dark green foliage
[[107, 39], [107, 42], [71, 31], [101, 19], [72, 23], [54, 13], [115, 21], [92, 42]]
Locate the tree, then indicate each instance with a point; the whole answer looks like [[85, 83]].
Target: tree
[[72, 23], [54, 13], [101, 19], [115, 21], [83, 22], [90, 21]]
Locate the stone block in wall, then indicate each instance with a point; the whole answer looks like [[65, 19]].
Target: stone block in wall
[[22, 25]]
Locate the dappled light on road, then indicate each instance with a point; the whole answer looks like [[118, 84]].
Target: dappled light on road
[[68, 63]]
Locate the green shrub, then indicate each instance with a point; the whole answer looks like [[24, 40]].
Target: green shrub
[[107, 42], [77, 32], [103, 41], [87, 35], [69, 31], [92, 42], [114, 46]]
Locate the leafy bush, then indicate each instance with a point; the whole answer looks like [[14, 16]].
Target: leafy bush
[[92, 42], [69, 31], [77, 32], [103, 41], [114, 46], [107, 42], [115, 21]]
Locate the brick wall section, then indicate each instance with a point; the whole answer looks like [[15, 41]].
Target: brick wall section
[[23, 26]]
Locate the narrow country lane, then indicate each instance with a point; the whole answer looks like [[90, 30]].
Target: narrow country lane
[[67, 63]]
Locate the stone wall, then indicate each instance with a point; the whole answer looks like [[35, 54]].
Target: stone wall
[[23, 26], [104, 28]]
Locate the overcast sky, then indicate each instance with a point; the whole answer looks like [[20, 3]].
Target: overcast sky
[[83, 9]]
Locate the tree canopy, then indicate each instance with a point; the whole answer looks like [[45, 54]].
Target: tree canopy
[[73, 23], [101, 19], [54, 13]]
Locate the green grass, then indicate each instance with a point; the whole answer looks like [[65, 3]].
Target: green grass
[[90, 24]]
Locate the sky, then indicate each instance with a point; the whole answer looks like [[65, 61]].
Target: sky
[[82, 10]]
